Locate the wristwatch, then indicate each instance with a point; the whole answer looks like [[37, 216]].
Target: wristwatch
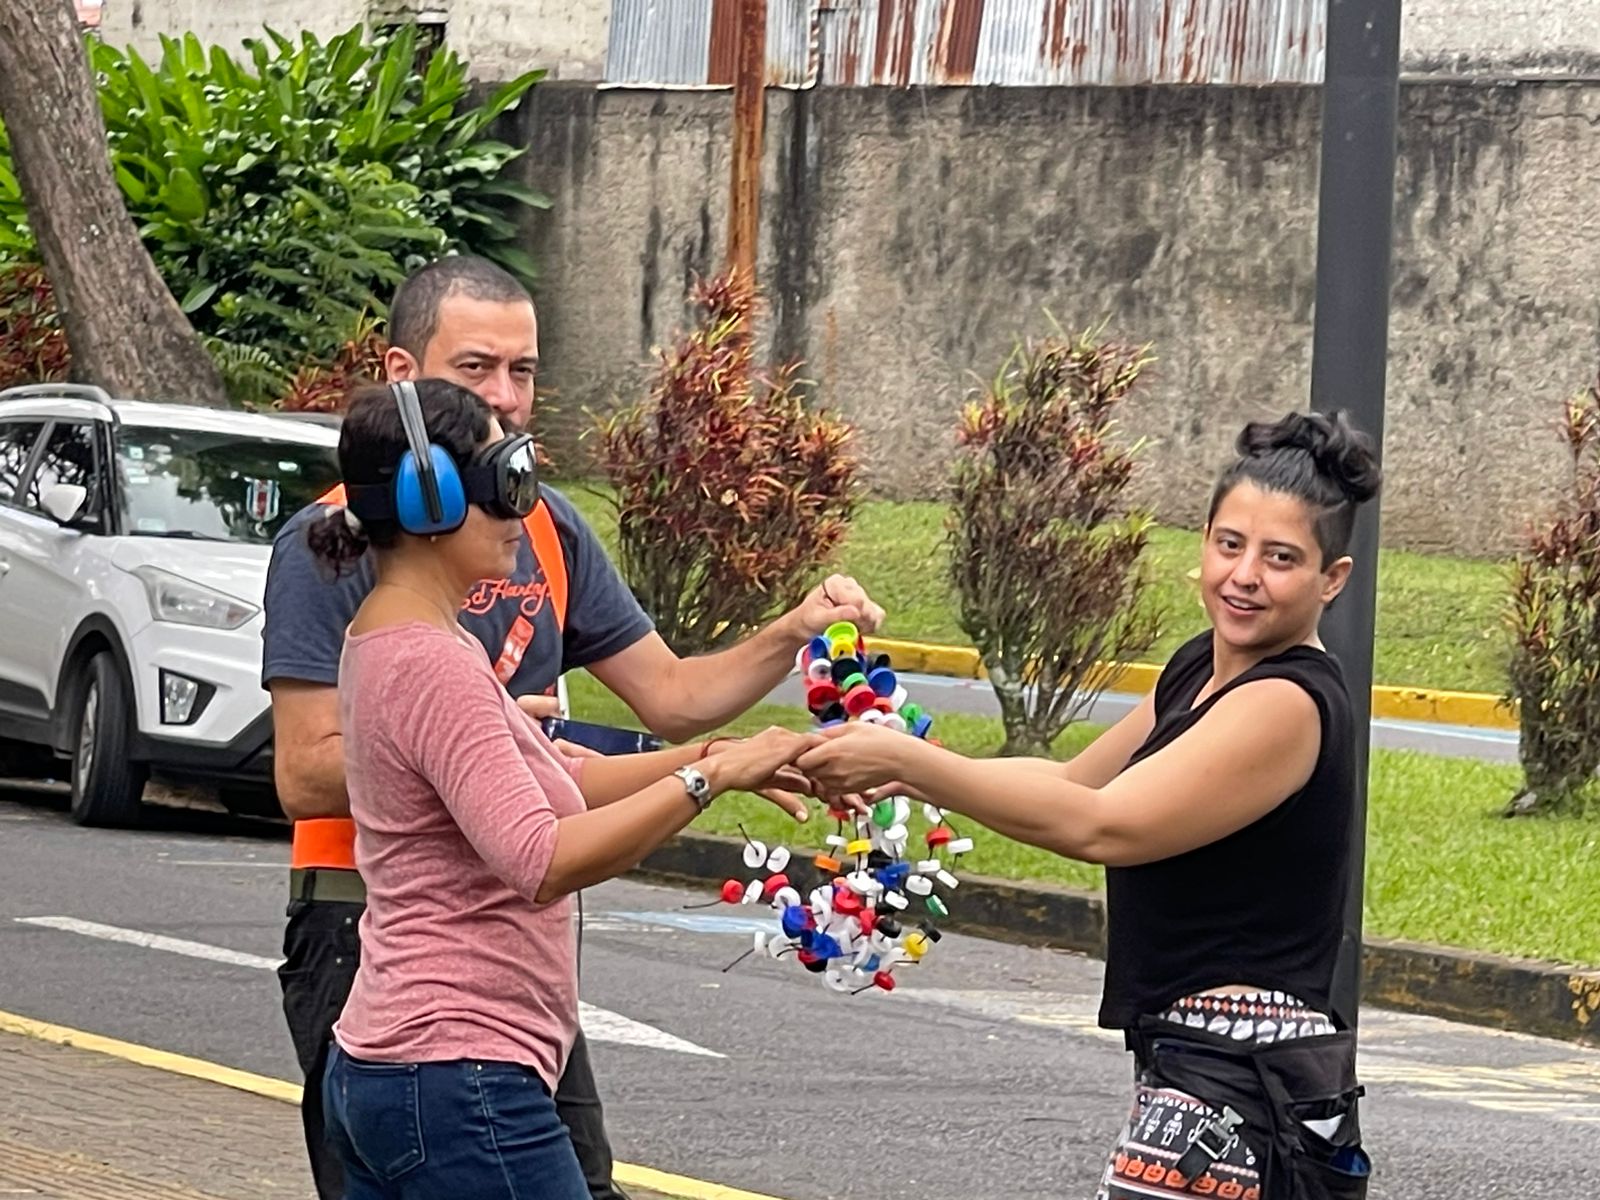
[[695, 784]]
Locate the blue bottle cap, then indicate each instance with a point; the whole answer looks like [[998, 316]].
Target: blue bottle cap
[[924, 723], [819, 647], [882, 680], [794, 921]]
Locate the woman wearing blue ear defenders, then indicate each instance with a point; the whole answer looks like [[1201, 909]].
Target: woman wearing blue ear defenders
[[473, 829]]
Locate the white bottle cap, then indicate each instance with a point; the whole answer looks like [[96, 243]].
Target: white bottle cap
[[929, 866], [918, 885], [787, 896], [838, 841], [895, 722], [932, 814], [960, 846], [754, 854], [752, 892], [896, 833], [898, 697], [947, 879], [896, 900], [778, 859]]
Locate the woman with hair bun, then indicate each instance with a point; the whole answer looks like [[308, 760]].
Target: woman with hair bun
[[1222, 808]]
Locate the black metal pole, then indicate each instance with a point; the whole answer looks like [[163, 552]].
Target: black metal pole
[[1355, 229]]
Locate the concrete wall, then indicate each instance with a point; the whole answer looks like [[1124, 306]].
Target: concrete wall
[[907, 236], [504, 37], [499, 38], [1526, 37]]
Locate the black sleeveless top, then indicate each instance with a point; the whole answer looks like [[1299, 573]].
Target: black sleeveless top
[[1263, 906]]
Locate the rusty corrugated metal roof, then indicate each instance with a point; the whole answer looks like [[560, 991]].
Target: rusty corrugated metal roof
[[858, 43]]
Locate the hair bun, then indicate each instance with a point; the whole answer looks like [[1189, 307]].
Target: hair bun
[[1341, 452]]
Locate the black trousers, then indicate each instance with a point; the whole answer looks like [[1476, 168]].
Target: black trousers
[[321, 950]]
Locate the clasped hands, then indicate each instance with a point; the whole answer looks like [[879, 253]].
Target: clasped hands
[[843, 765]]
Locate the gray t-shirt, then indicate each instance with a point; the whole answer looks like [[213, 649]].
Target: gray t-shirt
[[307, 608]]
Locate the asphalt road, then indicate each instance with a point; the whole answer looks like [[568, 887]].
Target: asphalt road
[[941, 694], [982, 1076]]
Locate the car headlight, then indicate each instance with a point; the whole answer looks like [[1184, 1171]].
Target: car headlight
[[185, 602]]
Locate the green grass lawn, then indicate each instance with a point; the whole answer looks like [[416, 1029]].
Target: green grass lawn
[[1438, 617], [1442, 868]]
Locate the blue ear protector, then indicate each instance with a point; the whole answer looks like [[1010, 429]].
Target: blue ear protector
[[428, 493]]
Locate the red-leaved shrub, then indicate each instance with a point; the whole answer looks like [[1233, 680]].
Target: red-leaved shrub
[[731, 492]]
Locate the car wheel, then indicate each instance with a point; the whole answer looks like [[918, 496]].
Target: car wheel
[[107, 788]]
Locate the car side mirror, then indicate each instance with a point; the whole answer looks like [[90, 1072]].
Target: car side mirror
[[64, 501]]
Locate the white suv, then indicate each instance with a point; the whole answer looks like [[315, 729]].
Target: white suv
[[134, 541]]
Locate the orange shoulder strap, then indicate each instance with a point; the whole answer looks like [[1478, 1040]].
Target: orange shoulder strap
[[334, 495], [541, 527]]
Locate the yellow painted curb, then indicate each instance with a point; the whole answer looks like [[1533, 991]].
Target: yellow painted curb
[[147, 1056], [628, 1174], [1477, 709]]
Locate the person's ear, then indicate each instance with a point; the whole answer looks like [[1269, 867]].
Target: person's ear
[[1334, 577], [398, 365]]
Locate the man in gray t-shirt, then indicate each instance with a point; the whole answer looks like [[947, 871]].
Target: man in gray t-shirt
[[466, 320]]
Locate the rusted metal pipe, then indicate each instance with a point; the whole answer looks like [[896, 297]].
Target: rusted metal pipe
[[749, 125]]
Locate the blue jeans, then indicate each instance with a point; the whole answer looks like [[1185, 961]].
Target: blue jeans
[[461, 1130]]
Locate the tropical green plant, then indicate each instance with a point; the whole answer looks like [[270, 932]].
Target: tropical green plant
[[284, 192]]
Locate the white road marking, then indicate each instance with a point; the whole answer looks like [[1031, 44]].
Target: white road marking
[[153, 941], [601, 1025]]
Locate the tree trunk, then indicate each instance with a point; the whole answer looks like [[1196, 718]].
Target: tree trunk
[[126, 331]]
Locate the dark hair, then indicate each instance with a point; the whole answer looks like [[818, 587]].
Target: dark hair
[[414, 315], [372, 441], [1324, 461]]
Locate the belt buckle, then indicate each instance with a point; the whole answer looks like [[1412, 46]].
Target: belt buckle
[[1214, 1138]]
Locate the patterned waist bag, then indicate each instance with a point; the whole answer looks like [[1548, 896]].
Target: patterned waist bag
[[1250, 1097]]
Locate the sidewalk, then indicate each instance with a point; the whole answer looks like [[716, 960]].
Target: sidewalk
[[80, 1125]]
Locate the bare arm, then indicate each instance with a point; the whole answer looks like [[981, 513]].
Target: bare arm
[[681, 698], [1255, 748], [308, 751]]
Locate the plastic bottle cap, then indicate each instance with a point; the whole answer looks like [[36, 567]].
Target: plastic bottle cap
[[896, 833], [939, 835], [883, 813], [960, 846], [842, 631], [835, 980], [858, 699], [853, 681], [732, 891], [754, 854], [949, 880], [818, 646], [824, 863], [884, 980], [895, 722], [778, 859], [793, 920], [918, 885], [821, 695], [873, 717], [895, 900], [897, 701], [911, 711], [752, 892], [929, 866], [820, 670], [932, 815], [882, 680], [774, 884], [835, 839], [760, 940], [842, 649], [920, 727], [859, 846], [937, 907]]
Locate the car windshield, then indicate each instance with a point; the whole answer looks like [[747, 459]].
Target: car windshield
[[228, 487]]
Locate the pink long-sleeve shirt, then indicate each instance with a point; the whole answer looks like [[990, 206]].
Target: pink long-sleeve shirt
[[456, 794]]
